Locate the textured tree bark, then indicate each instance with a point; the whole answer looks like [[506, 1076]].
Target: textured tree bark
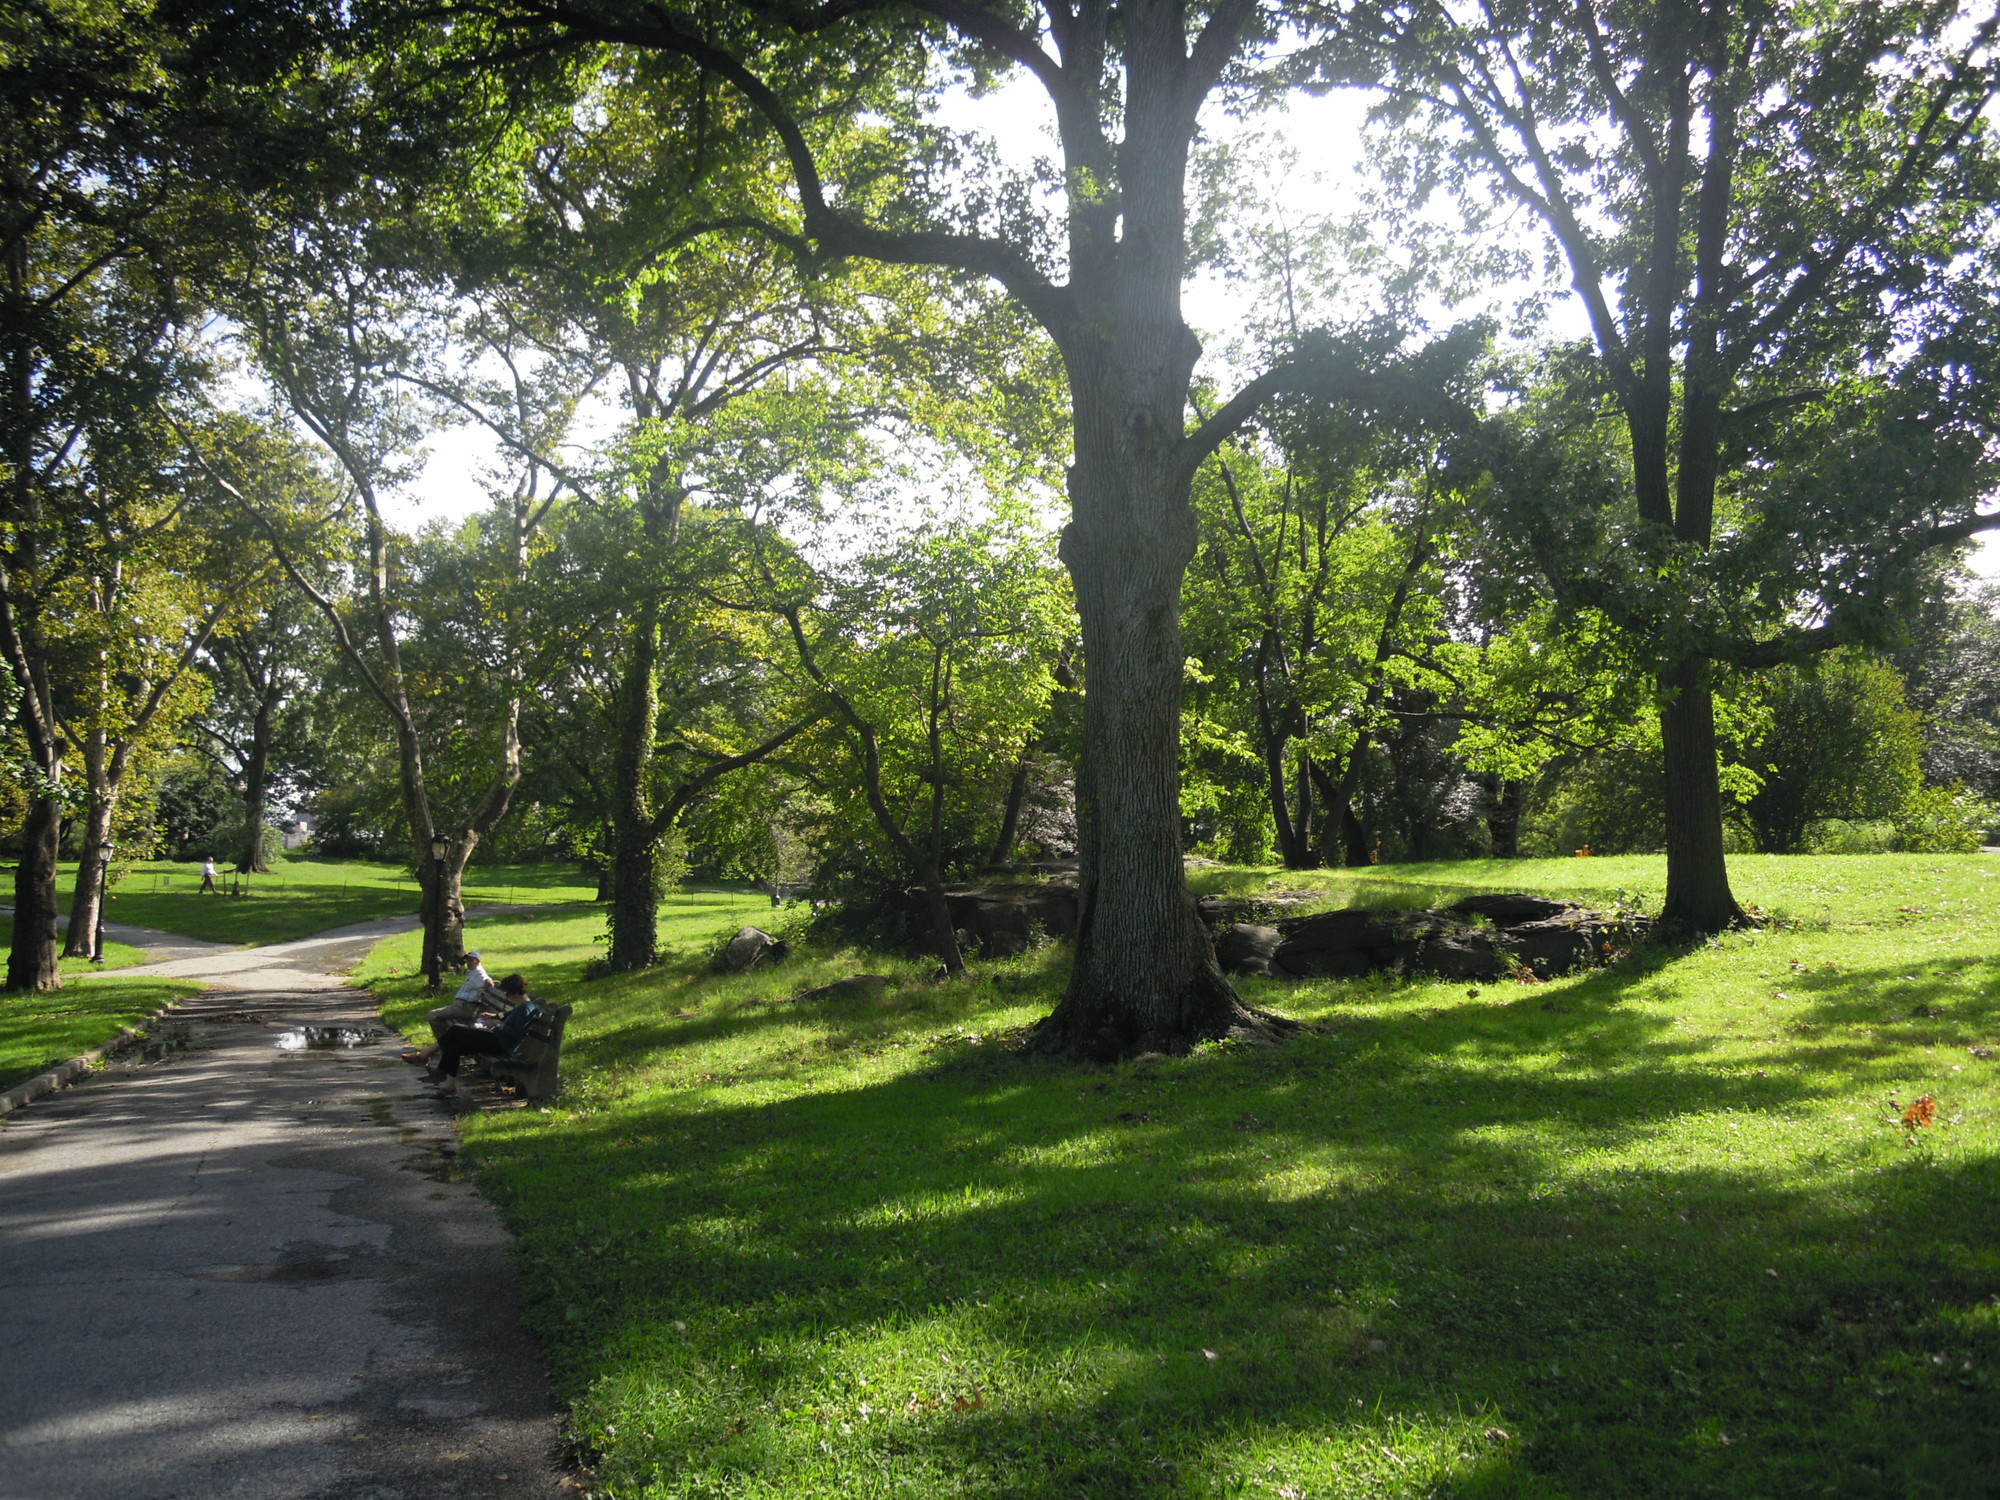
[[31, 962], [1699, 899], [634, 914], [80, 940], [1145, 976], [257, 785]]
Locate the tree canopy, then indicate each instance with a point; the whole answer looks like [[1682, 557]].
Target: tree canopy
[[863, 508]]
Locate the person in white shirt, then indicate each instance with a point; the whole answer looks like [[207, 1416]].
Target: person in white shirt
[[208, 877], [478, 993]]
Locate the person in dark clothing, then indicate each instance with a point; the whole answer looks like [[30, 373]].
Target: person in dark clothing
[[461, 1041]]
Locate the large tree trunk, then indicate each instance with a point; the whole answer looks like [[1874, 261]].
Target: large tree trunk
[[256, 789], [81, 940], [1698, 896], [31, 961], [634, 915], [1145, 976], [635, 903]]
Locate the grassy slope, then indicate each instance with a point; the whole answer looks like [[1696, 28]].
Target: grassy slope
[[39, 1031], [1648, 1232], [304, 896]]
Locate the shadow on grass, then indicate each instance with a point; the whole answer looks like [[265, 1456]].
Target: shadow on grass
[[1405, 1247]]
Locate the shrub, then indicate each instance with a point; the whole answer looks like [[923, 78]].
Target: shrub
[[1943, 820]]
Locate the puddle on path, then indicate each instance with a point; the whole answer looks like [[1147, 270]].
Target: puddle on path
[[299, 1038]]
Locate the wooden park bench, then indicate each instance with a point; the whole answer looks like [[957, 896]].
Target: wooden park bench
[[531, 1066]]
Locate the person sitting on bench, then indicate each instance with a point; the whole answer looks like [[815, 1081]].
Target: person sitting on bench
[[459, 1041], [476, 995]]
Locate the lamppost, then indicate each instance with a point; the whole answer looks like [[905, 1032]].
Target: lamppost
[[104, 852], [440, 846]]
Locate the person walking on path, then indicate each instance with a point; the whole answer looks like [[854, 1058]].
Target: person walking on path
[[208, 884]]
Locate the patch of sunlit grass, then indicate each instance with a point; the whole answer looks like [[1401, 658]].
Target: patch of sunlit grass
[[38, 1031], [1669, 1229]]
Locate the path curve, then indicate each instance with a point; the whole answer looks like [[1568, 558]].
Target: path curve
[[250, 1272]]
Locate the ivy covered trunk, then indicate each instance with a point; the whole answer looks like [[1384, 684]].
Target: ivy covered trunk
[[635, 828], [257, 785]]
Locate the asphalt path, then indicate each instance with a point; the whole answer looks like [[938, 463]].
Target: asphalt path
[[246, 1271]]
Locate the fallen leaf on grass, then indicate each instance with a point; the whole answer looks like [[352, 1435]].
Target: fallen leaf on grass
[[1497, 1435], [1920, 1114]]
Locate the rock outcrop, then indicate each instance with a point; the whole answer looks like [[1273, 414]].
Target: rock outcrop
[[1000, 920], [1544, 936], [1480, 937]]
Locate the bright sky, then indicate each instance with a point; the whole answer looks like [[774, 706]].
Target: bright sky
[[1324, 137]]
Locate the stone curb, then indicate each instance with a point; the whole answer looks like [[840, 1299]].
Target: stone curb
[[44, 1084]]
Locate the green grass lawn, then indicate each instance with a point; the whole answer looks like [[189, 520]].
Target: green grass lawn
[[39, 1031], [1654, 1231], [305, 896]]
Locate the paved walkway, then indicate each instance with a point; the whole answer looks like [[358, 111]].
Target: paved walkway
[[251, 1272]]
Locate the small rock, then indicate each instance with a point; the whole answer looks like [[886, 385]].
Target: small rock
[[1246, 948], [750, 947]]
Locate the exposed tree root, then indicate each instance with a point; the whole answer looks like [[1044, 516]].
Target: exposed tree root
[[1107, 1032]]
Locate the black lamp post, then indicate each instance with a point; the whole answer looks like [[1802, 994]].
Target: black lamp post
[[440, 846], [104, 852]]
